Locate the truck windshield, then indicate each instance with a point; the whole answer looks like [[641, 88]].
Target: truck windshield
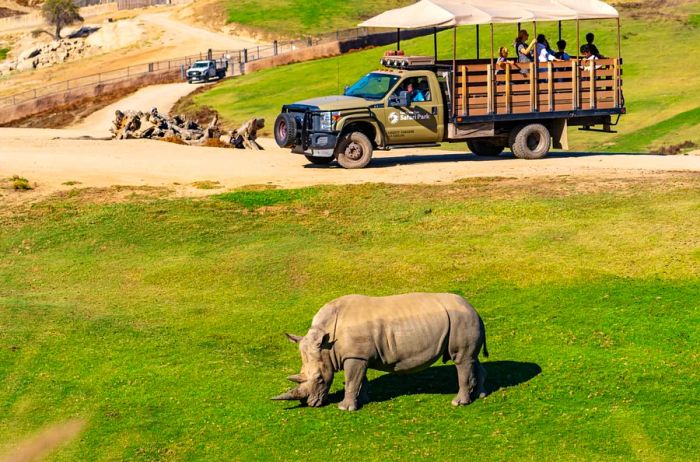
[[372, 86], [201, 64]]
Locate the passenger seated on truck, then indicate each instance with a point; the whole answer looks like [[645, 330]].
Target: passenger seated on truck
[[562, 54], [424, 88], [587, 57], [594, 49], [502, 60], [416, 94]]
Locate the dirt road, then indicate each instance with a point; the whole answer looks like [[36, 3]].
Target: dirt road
[[49, 162], [162, 97]]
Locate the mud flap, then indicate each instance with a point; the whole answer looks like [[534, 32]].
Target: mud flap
[[560, 138]]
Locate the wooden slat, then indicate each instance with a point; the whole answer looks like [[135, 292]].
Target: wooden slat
[[508, 100], [465, 94], [533, 108], [615, 86]]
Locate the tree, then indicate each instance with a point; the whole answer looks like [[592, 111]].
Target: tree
[[60, 13]]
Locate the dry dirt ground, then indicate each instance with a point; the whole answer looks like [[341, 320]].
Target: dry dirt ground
[[166, 37], [58, 160]]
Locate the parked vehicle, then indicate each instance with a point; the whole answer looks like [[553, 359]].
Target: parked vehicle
[[418, 101], [205, 70]]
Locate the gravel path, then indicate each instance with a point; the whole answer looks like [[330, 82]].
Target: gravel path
[[50, 158]]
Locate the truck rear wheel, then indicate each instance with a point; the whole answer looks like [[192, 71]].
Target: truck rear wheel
[[285, 130], [484, 148], [319, 160], [530, 141], [354, 150]]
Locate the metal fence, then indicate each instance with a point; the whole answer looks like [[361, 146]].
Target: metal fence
[[236, 60]]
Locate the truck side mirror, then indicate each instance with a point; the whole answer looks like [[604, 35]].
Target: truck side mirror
[[404, 99], [345, 90]]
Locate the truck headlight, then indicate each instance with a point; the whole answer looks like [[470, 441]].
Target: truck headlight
[[328, 120]]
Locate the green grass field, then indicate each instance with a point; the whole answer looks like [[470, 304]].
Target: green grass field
[[299, 17], [160, 321], [661, 85]]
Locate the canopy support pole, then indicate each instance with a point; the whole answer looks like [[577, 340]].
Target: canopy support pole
[[492, 77], [578, 39], [454, 70], [398, 39], [536, 76], [559, 30], [477, 41], [435, 48], [618, 99]]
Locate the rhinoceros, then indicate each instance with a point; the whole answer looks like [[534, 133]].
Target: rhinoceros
[[400, 333]]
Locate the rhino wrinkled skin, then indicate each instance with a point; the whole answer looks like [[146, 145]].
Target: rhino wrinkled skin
[[400, 333]]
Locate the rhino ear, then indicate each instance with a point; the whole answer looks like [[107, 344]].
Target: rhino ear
[[320, 339], [294, 338]]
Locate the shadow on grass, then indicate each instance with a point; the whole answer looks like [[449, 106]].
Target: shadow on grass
[[409, 159], [442, 380]]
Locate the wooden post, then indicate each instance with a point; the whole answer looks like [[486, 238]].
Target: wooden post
[[454, 70], [559, 30], [398, 39], [536, 75], [489, 89], [616, 84], [492, 78], [465, 95], [550, 86], [617, 67], [532, 86], [508, 101], [592, 86], [578, 39], [574, 84]]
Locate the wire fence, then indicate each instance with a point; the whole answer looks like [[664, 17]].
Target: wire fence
[[234, 59]]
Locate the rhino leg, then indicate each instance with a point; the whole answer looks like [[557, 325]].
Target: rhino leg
[[467, 381], [355, 375], [364, 392], [480, 380]]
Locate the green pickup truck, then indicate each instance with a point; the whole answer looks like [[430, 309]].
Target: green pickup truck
[[418, 102]]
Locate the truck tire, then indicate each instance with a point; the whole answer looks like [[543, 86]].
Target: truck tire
[[319, 160], [354, 150], [484, 148], [285, 130], [530, 141]]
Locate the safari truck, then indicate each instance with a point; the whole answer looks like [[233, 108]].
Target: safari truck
[[420, 101]]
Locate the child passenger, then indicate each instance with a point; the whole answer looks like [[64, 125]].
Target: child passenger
[[562, 54]]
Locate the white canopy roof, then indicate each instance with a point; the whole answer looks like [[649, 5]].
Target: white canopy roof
[[427, 13]]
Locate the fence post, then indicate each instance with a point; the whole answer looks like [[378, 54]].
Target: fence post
[[274, 47], [245, 55], [209, 54]]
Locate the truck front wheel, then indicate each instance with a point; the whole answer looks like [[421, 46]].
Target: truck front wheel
[[530, 141], [354, 150], [484, 148]]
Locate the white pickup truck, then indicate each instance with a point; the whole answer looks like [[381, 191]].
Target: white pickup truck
[[205, 70]]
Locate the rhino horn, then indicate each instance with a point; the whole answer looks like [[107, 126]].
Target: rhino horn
[[294, 338], [297, 378], [291, 395]]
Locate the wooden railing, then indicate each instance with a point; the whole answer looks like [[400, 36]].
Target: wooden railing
[[560, 86]]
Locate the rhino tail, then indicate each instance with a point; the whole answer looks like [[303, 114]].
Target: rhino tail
[[483, 329]]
